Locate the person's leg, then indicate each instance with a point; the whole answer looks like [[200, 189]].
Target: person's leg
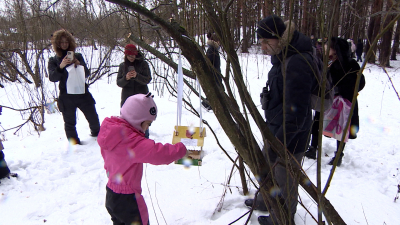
[[4, 170], [69, 116], [312, 150], [341, 155], [123, 208], [289, 188], [315, 130], [89, 110]]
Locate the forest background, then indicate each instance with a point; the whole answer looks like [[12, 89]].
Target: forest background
[[161, 28]]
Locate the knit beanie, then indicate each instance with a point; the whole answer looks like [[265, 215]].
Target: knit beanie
[[271, 27], [139, 108], [131, 49]]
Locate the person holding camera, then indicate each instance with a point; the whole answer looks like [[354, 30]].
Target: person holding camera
[[133, 75], [69, 100]]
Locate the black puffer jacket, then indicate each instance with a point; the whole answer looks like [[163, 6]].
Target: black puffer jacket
[[344, 76], [136, 85], [57, 74], [213, 55], [297, 94]]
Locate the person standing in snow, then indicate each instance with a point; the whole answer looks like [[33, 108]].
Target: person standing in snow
[[213, 55], [343, 71], [278, 38], [124, 149], [62, 42], [359, 50], [133, 75], [353, 48]]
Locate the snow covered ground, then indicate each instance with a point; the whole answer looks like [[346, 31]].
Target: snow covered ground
[[63, 184]]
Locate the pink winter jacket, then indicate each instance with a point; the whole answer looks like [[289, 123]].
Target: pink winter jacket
[[124, 150]]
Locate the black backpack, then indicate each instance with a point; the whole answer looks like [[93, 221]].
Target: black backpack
[[316, 95]]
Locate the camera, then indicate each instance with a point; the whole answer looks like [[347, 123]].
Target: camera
[[70, 55]]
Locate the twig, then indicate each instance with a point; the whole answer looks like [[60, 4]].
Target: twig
[[390, 79], [148, 189], [364, 214], [221, 202], [241, 217], [301, 203], [155, 193]]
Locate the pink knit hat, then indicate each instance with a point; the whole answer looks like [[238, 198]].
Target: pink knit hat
[[139, 108]]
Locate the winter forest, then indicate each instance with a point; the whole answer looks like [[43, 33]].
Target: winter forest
[[162, 30]]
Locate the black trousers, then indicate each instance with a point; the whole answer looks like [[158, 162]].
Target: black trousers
[[123, 208], [4, 171], [315, 129], [68, 105], [359, 58]]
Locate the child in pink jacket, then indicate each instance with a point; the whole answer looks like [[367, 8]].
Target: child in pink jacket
[[125, 149]]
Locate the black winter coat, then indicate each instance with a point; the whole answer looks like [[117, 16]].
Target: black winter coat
[[213, 55], [299, 82], [344, 76], [56, 74], [136, 85]]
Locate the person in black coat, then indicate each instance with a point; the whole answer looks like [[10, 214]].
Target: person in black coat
[[276, 37], [359, 50], [133, 75], [212, 54], [62, 42], [343, 71]]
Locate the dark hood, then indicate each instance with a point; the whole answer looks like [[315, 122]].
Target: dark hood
[[342, 49], [298, 43]]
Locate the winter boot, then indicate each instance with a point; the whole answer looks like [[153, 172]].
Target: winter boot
[[339, 163], [311, 153], [206, 105], [258, 206]]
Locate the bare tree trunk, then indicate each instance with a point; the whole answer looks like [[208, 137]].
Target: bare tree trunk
[[245, 27], [373, 28], [336, 18], [396, 41], [384, 53]]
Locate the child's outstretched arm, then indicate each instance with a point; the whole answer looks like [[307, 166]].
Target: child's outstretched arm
[[157, 153]]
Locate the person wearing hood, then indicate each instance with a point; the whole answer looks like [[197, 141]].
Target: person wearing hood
[[292, 92], [68, 101], [213, 55], [124, 149], [343, 70]]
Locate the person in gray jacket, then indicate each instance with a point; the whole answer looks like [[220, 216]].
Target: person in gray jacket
[[133, 75]]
